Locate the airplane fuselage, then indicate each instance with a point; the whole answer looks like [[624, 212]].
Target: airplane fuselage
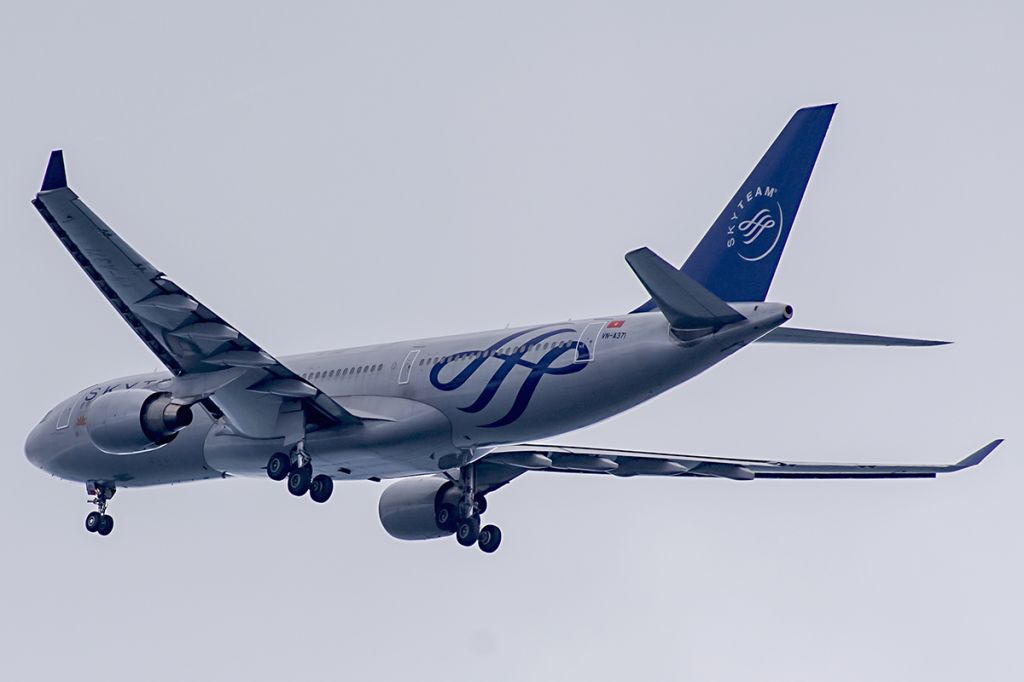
[[454, 418], [427, 405]]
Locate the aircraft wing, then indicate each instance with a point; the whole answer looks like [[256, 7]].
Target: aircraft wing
[[212, 361], [540, 457]]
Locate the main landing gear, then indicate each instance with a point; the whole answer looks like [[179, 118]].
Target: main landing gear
[[464, 519], [99, 521], [298, 469]]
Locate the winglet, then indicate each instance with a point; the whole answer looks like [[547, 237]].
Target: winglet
[[55, 177], [977, 457]]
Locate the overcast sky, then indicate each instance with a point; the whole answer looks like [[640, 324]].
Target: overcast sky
[[340, 174]]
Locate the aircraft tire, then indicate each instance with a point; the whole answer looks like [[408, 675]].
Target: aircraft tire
[[92, 521], [106, 526], [278, 466], [490, 538], [320, 488], [299, 480], [468, 531], [446, 516]]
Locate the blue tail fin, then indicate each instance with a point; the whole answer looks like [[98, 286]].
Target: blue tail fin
[[736, 259]]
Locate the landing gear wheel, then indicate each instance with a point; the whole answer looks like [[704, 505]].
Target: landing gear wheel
[[279, 466], [106, 525], [320, 488], [490, 538], [445, 518], [481, 504], [98, 521], [299, 480], [468, 531], [92, 521]]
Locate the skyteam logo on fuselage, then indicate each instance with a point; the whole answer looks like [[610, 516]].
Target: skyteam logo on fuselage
[[506, 358], [755, 227]]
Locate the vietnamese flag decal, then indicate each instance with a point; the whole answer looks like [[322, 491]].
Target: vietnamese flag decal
[[615, 324]]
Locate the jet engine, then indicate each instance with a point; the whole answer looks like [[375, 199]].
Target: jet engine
[[408, 508], [135, 420]]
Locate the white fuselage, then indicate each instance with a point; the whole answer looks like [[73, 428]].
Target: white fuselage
[[427, 405]]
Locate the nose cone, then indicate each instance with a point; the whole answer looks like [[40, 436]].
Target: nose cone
[[35, 448]]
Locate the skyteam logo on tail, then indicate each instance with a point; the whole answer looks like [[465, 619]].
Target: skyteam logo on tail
[[755, 226]]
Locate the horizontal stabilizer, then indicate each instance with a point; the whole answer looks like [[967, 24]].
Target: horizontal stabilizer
[[685, 303], [798, 335]]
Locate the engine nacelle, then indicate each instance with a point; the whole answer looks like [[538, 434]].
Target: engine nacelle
[[135, 420], [408, 508]]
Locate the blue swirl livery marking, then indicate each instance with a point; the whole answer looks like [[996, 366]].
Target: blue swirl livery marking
[[510, 361]]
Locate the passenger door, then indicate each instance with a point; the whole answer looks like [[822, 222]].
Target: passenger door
[[588, 342], [406, 371]]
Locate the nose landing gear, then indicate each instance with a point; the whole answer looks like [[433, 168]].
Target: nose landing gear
[[99, 521]]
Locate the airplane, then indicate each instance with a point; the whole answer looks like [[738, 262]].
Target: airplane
[[449, 420]]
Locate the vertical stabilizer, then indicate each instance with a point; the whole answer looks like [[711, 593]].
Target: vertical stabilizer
[[737, 258]]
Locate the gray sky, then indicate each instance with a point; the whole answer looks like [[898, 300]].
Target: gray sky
[[350, 173]]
